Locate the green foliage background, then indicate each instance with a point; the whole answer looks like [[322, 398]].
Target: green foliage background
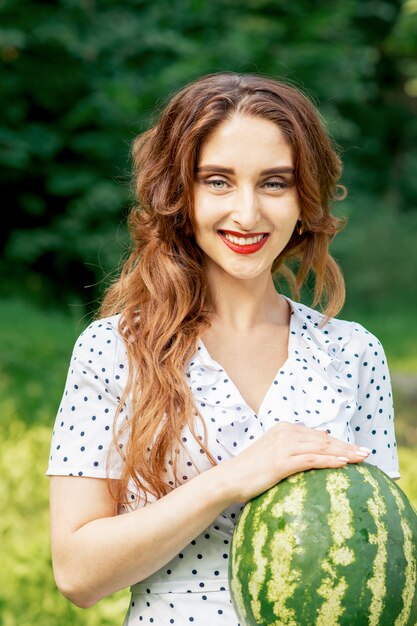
[[78, 80], [81, 77]]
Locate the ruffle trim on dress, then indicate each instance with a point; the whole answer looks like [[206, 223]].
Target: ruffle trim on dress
[[315, 356]]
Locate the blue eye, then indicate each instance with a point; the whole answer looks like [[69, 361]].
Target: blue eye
[[276, 184], [215, 183]]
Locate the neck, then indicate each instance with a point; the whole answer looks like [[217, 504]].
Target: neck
[[245, 305]]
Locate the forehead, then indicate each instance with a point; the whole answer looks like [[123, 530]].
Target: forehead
[[246, 141]]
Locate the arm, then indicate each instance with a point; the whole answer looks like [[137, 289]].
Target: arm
[[373, 422], [95, 552]]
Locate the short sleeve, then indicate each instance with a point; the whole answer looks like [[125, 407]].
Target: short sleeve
[[373, 421], [83, 432]]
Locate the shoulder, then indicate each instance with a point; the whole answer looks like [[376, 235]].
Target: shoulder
[[100, 350], [102, 330], [101, 336], [331, 329], [347, 335], [83, 431]]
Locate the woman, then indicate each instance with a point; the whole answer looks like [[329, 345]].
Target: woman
[[201, 386]]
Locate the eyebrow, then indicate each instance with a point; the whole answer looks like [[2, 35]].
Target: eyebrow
[[285, 169]]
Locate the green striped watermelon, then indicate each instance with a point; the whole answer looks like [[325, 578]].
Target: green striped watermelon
[[326, 547]]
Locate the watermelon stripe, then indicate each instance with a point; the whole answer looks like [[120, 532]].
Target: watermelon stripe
[[284, 576], [257, 576], [395, 568], [235, 581], [358, 596], [259, 561], [305, 600], [334, 586], [410, 570], [377, 584]]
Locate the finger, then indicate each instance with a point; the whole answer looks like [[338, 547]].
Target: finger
[[299, 438], [329, 447], [305, 462], [317, 434], [345, 449], [319, 461], [329, 442]]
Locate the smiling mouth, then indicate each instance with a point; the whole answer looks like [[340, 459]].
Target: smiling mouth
[[243, 240]]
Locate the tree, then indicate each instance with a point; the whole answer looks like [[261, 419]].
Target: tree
[[81, 78]]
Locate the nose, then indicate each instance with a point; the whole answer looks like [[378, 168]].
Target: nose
[[245, 209]]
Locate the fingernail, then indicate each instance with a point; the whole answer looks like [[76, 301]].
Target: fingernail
[[363, 451], [343, 458]]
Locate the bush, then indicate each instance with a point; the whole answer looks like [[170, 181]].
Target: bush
[[28, 594]]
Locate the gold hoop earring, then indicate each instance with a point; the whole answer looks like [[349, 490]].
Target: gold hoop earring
[[300, 227]]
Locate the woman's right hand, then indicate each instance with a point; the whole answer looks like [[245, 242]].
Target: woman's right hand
[[283, 450]]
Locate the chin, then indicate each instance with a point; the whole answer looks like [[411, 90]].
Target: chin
[[252, 275]]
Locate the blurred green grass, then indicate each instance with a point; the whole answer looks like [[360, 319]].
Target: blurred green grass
[[397, 331], [34, 356], [35, 351]]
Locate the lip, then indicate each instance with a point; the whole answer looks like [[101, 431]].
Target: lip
[[236, 234], [247, 249]]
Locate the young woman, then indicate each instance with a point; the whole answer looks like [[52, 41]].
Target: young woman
[[201, 385]]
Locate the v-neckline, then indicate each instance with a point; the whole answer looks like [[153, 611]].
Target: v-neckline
[[281, 368]]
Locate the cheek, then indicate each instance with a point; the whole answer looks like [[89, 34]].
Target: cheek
[[294, 212], [286, 217], [206, 211], [198, 212]]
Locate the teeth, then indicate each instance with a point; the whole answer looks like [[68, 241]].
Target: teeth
[[243, 241]]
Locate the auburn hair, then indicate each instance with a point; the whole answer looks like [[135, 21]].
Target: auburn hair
[[162, 292]]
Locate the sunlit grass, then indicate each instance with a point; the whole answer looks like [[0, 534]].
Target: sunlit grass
[[35, 349], [408, 470], [28, 594]]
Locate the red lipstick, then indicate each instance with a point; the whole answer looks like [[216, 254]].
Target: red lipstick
[[246, 249], [246, 235]]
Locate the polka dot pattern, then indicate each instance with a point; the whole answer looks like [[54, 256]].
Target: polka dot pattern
[[335, 379], [83, 428], [208, 608]]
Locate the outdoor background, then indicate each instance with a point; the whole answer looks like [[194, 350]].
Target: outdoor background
[[79, 79]]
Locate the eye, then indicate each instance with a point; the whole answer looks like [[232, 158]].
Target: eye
[[275, 184], [216, 184]]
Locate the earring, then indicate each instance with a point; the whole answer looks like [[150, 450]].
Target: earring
[[300, 227]]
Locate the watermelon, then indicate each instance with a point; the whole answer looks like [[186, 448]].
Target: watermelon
[[326, 547]]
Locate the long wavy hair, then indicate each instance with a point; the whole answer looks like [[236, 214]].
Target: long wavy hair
[[162, 293]]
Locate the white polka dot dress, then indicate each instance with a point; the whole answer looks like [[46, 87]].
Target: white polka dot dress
[[334, 379]]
